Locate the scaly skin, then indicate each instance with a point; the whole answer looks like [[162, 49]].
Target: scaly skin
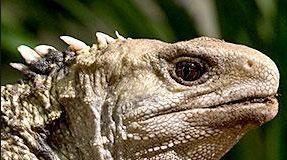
[[122, 99]]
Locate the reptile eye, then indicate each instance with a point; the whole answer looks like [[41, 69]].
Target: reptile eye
[[186, 70]]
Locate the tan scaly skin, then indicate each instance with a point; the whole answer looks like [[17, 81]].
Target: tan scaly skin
[[136, 99]]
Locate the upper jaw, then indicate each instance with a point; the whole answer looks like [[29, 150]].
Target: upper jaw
[[211, 101], [257, 111]]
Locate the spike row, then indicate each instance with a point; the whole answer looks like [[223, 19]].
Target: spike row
[[33, 55], [30, 56]]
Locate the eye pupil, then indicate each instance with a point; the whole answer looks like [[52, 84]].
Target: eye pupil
[[189, 71]]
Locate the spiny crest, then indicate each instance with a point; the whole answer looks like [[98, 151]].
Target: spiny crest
[[46, 60]]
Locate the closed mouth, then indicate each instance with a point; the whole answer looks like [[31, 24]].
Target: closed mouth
[[267, 104], [248, 101]]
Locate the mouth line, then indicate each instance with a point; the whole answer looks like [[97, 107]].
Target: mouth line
[[243, 102], [246, 101]]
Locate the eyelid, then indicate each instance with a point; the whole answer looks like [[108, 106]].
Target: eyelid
[[190, 59], [170, 57]]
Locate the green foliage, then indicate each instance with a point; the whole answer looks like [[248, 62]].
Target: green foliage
[[261, 24]]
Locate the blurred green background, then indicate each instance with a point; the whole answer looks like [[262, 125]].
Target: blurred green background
[[260, 24]]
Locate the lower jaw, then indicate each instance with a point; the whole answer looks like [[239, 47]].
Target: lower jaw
[[237, 118]]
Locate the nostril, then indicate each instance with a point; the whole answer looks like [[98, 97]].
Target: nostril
[[250, 63]]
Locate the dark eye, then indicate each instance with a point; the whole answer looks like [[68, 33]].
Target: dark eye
[[187, 70]]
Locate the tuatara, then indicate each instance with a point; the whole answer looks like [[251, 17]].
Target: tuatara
[[126, 98]]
